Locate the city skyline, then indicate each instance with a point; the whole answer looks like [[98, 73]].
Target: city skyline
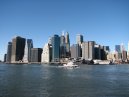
[[103, 21]]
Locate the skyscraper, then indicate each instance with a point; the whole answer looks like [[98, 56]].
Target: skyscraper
[[9, 52], [103, 53], [97, 52], [27, 50], [5, 57], [122, 47], [124, 55], [91, 49], [55, 48], [75, 51], [36, 54], [67, 41], [79, 39], [128, 51], [85, 50], [88, 50], [118, 48], [18, 45], [62, 46], [47, 53]]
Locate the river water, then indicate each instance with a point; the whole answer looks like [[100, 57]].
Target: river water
[[36, 80]]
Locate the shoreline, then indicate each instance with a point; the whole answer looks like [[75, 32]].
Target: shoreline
[[59, 63]]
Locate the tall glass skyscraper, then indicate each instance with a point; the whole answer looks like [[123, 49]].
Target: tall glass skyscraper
[[55, 48], [118, 48], [27, 50], [67, 41], [9, 52], [62, 46]]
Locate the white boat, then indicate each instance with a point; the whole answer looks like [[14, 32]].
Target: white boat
[[69, 65]]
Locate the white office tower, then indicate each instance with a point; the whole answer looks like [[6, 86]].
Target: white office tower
[[27, 50], [46, 54]]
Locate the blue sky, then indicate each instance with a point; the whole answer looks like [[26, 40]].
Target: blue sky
[[104, 21]]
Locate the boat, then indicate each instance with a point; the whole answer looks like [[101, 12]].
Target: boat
[[69, 65]]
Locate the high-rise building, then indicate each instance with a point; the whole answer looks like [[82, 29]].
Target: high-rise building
[[118, 48], [124, 55], [128, 51], [79, 39], [47, 53], [55, 48], [18, 45], [67, 41], [5, 57], [103, 53], [122, 47], [75, 51], [85, 50], [88, 50], [9, 52], [62, 46], [91, 49], [97, 52], [106, 48], [118, 56], [36, 54], [62, 39], [27, 50]]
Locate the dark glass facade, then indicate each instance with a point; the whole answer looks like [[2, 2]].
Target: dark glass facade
[[55, 48]]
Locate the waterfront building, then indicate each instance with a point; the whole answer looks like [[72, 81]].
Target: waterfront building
[[9, 52], [47, 53], [124, 55], [91, 49], [36, 54], [67, 41], [97, 52], [118, 48], [55, 48], [106, 49], [18, 45], [122, 47], [62, 46], [88, 50], [5, 57], [118, 56], [75, 51], [111, 56], [128, 51], [103, 53], [27, 50], [79, 39], [85, 50]]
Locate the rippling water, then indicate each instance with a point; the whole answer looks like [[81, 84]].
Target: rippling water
[[35, 80]]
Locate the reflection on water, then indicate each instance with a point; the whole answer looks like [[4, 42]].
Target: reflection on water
[[35, 80]]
